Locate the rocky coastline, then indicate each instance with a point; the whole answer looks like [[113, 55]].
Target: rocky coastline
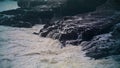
[[96, 30], [24, 17]]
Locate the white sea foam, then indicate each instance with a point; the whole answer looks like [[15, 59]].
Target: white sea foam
[[19, 48]]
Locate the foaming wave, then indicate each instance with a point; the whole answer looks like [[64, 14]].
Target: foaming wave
[[19, 48]]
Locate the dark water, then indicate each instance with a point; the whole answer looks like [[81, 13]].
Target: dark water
[[19, 48]]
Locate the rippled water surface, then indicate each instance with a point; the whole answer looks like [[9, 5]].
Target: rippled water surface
[[19, 48]]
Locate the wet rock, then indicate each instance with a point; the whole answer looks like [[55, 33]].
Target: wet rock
[[24, 17], [104, 45], [111, 4], [81, 27], [33, 12], [64, 7]]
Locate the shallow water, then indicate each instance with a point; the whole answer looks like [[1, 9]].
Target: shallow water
[[8, 5], [19, 48]]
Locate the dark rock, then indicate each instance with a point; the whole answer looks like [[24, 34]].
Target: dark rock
[[10, 0], [104, 45], [81, 27], [35, 33], [87, 29], [24, 17], [13, 12], [111, 4], [62, 7]]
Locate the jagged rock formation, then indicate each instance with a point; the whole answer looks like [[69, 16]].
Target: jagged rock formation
[[89, 26], [85, 27], [81, 27], [89, 30], [33, 12], [104, 45]]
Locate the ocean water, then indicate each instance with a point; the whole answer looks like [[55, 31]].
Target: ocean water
[[20, 48], [7, 5]]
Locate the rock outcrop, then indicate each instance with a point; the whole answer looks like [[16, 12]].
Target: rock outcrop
[[33, 12], [8, 0], [62, 7], [104, 45], [92, 28], [111, 4], [81, 27], [24, 18]]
